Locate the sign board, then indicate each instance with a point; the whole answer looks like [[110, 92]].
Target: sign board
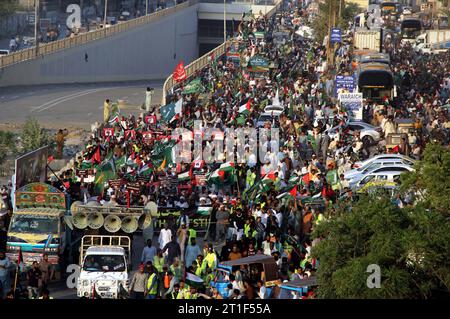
[[198, 220], [336, 35], [352, 103], [32, 167], [40, 195], [344, 84]]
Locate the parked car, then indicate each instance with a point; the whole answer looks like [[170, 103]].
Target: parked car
[[274, 109], [368, 133], [358, 172], [386, 173], [267, 117], [4, 52], [409, 160]]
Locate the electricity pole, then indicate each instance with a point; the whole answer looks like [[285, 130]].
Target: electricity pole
[[106, 9], [224, 21], [36, 26]]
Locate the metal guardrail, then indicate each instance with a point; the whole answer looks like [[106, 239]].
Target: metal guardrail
[[204, 60], [64, 44]]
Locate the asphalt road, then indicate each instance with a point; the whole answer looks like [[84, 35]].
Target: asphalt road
[[70, 106]]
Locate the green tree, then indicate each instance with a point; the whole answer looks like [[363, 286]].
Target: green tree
[[8, 7], [411, 244], [7, 145], [321, 23], [33, 136]]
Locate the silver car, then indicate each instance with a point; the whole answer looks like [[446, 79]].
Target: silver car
[[368, 133], [407, 159], [399, 168], [358, 172]]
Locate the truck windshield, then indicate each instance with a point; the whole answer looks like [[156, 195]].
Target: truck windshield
[[105, 263], [34, 224]]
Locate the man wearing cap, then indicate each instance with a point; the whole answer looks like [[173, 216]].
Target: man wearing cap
[[138, 285]]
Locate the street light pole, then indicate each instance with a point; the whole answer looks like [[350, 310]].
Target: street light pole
[[36, 26], [224, 21], [106, 9]]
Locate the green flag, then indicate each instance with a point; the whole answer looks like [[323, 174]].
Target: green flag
[[195, 86], [104, 173]]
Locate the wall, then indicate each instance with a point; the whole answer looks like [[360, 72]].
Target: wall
[[147, 52]]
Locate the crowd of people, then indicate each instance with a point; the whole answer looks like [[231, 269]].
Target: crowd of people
[[270, 208]]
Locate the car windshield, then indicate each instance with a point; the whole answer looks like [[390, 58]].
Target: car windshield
[[105, 263], [34, 224]]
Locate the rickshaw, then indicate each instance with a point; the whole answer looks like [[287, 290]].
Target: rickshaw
[[261, 267], [296, 288]]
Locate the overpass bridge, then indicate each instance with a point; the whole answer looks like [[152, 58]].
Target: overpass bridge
[[146, 48]]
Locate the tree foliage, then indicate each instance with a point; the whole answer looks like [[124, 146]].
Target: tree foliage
[[7, 145], [321, 24], [411, 244], [8, 7], [33, 136]]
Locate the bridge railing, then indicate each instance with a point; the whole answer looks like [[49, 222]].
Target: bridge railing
[[204, 60], [64, 44]]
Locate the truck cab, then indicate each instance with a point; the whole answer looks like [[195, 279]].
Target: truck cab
[[35, 231], [104, 266]]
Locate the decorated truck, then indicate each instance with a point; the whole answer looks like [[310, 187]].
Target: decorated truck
[[38, 225]]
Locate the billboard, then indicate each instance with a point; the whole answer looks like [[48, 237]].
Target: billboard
[[344, 84], [352, 103], [32, 167]]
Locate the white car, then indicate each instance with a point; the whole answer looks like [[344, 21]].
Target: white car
[[4, 52], [400, 168], [385, 176], [358, 173], [275, 110], [368, 132], [409, 160]]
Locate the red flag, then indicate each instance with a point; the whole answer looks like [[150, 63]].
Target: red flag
[[306, 178], [50, 159], [396, 149], [293, 191], [179, 74], [96, 156]]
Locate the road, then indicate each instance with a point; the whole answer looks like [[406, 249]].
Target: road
[[59, 289], [74, 106]]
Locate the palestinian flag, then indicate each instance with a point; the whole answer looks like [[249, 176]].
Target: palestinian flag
[[171, 111], [269, 177], [204, 211], [245, 108], [184, 177], [291, 194], [224, 175], [193, 280], [145, 171]]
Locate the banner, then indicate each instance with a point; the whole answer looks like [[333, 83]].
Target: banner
[[258, 64], [344, 84], [32, 167], [352, 103], [198, 220], [336, 36], [179, 74]]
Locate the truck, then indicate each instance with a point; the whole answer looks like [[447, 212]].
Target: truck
[[104, 265], [425, 40], [38, 225], [370, 40]]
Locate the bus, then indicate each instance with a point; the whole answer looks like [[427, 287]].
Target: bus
[[376, 81], [410, 29], [388, 8], [375, 58]]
